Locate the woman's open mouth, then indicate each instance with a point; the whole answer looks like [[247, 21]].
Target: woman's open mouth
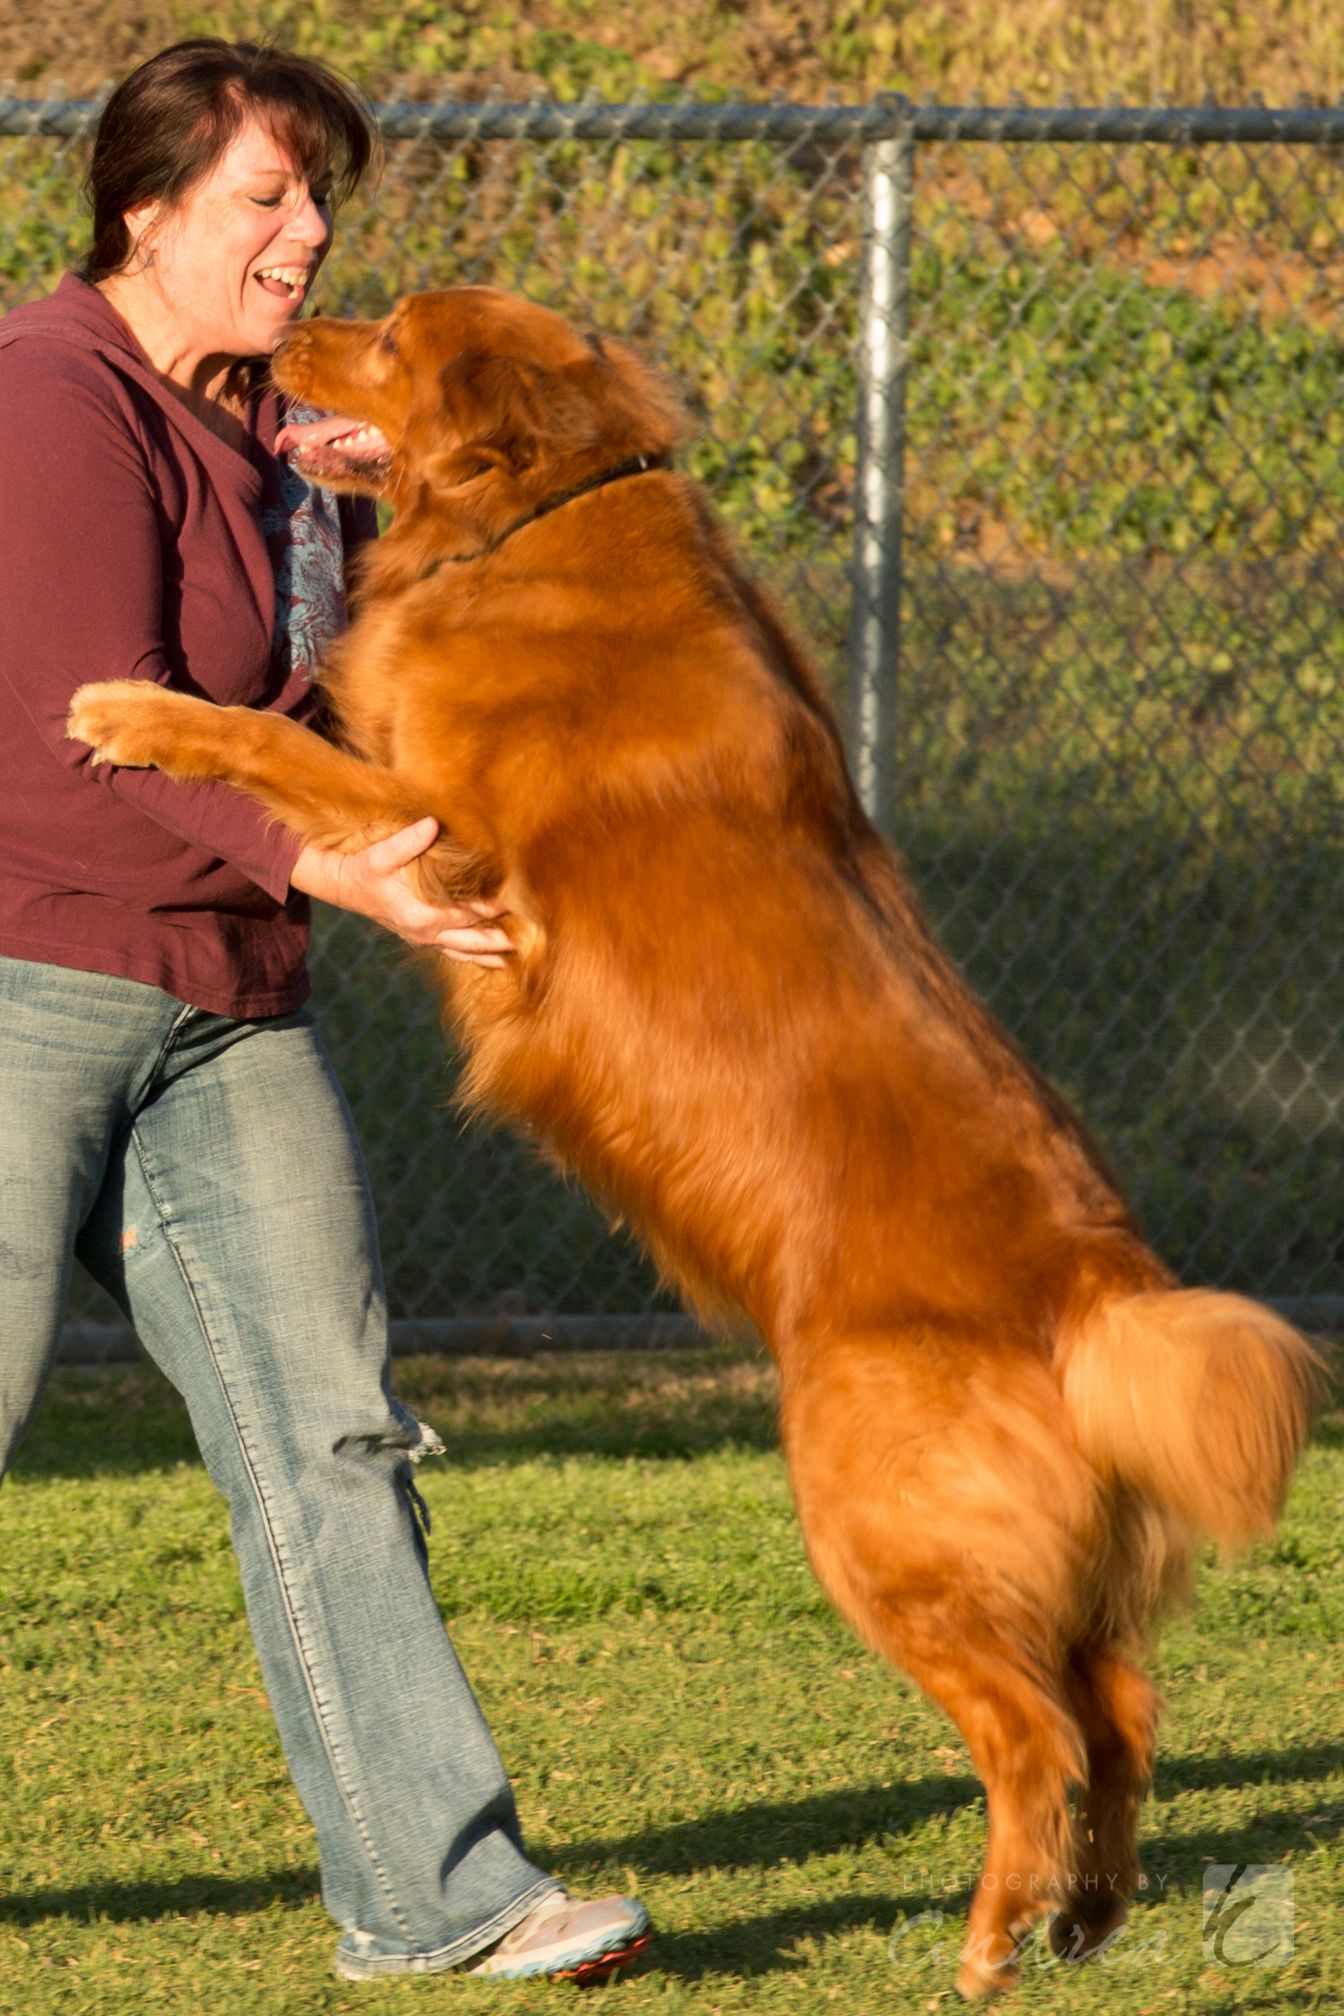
[[284, 283]]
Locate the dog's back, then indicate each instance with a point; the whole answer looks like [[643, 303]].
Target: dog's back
[[606, 706]]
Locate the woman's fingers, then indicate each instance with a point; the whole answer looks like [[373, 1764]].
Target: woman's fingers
[[398, 850], [469, 916], [473, 941], [472, 958]]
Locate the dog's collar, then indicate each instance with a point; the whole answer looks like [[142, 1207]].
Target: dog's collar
[[634, 465]]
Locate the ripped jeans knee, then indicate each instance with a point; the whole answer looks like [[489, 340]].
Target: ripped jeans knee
[[411, 1441]]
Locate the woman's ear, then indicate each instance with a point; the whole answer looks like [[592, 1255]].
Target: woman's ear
[[140, 223]]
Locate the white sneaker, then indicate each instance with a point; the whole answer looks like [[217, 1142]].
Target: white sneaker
[[568, 1940]]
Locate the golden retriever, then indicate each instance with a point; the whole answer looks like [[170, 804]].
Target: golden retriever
[[1004, 1422]]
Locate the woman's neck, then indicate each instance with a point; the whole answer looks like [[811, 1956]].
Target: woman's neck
[[200, 379]]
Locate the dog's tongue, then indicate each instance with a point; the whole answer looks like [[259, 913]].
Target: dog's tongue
[[300, 434]]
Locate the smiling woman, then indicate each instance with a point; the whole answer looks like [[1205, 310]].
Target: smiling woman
[[169, 122], [167, 1111], [213, 208], [219, 275]]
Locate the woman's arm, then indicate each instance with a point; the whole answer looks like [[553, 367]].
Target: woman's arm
[[81, 562], [81, 550]]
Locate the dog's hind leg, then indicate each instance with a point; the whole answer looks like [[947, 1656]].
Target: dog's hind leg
[[953, 1525], [1116, 1707], [1024, 1744]]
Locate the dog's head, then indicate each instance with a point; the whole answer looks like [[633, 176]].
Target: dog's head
[[469, 397]]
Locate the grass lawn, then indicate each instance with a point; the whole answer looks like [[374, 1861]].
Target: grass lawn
[[615, 1547]]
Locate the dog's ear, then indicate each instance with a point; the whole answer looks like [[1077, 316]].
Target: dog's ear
[[493, 409], [638, 405], [507, 414], [495, 404]]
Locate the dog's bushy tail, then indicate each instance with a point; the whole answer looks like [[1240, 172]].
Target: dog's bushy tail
[[1197, 1400]]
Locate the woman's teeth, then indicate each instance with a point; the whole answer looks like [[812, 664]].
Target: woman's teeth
[[287, 281]]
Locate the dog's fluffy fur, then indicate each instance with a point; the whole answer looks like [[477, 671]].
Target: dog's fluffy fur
[[1005, 1424]]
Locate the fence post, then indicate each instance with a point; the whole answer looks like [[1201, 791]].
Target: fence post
[[879, 484]]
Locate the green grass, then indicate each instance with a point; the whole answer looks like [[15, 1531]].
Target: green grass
[[615, 1546]]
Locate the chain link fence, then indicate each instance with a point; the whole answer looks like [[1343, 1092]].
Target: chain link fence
[[1031, 422]]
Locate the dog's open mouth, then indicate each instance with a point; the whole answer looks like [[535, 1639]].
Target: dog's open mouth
[[335, 450]]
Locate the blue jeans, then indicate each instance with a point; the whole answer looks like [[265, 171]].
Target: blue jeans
[[207, 1173]]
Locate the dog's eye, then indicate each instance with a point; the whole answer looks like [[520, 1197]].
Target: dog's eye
[[388, 342]]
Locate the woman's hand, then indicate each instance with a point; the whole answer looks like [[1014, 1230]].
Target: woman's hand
[[371, 884]]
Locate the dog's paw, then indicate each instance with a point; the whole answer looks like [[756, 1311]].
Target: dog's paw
[[124, 721], [1085, 1926], [977, 1979]]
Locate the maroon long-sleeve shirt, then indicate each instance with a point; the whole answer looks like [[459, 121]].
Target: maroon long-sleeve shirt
[[135, 544]]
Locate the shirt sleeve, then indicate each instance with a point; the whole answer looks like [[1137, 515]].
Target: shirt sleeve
[[81, 547]]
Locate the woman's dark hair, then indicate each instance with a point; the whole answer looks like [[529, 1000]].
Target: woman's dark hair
[[166, 125]]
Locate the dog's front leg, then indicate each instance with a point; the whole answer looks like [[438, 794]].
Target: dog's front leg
[[318, 791]]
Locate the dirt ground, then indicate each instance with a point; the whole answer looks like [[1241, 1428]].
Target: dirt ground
[[57, 48]]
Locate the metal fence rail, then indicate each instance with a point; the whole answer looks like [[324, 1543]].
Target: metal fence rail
[[1031, 420]]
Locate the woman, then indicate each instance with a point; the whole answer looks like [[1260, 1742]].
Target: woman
[[166, 1108]]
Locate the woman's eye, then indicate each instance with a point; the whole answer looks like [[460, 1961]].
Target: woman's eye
[[321, 197]]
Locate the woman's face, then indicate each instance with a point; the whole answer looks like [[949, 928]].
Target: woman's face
[[234, 260]]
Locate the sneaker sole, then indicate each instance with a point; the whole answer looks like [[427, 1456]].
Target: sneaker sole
[[588, 1973], [594, 1959], [584, 1973]]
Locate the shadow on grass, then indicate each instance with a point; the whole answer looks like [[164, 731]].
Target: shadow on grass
[[752, 1946], [758, 1837], [767, 1835], [665, 1406], [126, 1419], [840, 1822], [1304, 1764], [1329, 1433], [109, 1421], [742, 1946], [142, 1903]]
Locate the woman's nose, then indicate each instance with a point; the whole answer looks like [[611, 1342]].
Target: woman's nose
[[312, 223]]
